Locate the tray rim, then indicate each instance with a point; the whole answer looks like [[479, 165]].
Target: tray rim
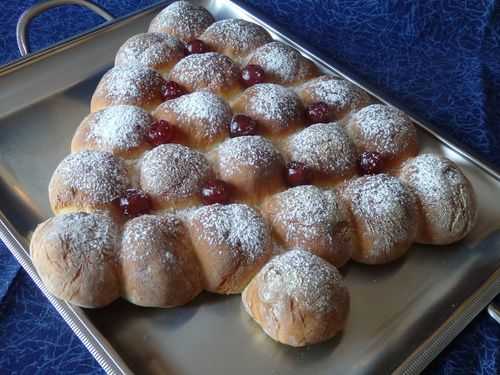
[[85, 330]]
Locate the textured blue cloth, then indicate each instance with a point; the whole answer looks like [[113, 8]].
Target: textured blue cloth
[[439, 58]]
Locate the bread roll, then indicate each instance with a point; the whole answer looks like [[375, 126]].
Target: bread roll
[[298, 299], [232, 243], [202, 117], [120, 130], [182, 19], [159, 266], [76, 257], [385, 216], [309, 218], [385, 130], [173, 175], [251, 165], [276, 109], [158, 51], [131, 84], [283, 64], [341, 96], [327, 152], [88, 181], [445, 196], [208, 71], [235, 38]]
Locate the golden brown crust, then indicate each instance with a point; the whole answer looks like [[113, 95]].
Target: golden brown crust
[[130, 84], [298, 299], [232, 243], [312, 219], [158, 264], [76, 257]]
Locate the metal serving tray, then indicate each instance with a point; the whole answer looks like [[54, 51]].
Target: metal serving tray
[[402, 314]]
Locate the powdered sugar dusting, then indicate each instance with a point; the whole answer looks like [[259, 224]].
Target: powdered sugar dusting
[[92, 237], [120, 127], [273, 102], [235, 225], [338, 93], [150, 49], [254, 151], [444, 192], [389, 130], [97, 174], [174, 171], [149, 235], [204, 110], [211, 71], [239, 36], [324, 148], [386, 207], [307, 213], [306, 278], [183, 20], [130, 83], [283, 63]]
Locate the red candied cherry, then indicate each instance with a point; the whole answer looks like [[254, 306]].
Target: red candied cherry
[[242, 125], [172, 90], [134, 203], [252, 74], [215, 191], [196, 46], [161, 132], [370, 163], [317, 113], [297, 174]]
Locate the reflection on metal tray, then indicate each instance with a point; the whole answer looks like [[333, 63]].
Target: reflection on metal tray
[[402, 314]]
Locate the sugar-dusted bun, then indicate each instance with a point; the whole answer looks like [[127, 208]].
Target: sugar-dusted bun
[[298, 299], [159, 266], [76, 257], [385, 215], [87, 181], [235, 38], [325, 150], [202, 117], [445, 196], [283, 64], [251, 165], [173, 175], [130, 84], [385, 130], [183, 20], [312, 219], [158, 51], [341, 96], [232, 243], [276, 109], [120, 130], [208, 71]]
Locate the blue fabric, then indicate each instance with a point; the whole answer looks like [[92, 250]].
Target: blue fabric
[[438, 58]]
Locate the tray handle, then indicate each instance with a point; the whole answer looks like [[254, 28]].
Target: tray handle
[[36, 9]]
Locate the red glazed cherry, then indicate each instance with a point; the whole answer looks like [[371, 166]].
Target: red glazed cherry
[[196, 46], [370, 163], [161, 132], [317, 113], [296, 174], [134, 203], [172, 90], [252, 74], [242, 125], [215, 191]]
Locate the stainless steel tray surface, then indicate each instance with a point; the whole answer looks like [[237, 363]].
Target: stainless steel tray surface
[[402, 314]]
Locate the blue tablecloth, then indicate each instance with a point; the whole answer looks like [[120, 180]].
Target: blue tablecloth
[[439, 58]]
